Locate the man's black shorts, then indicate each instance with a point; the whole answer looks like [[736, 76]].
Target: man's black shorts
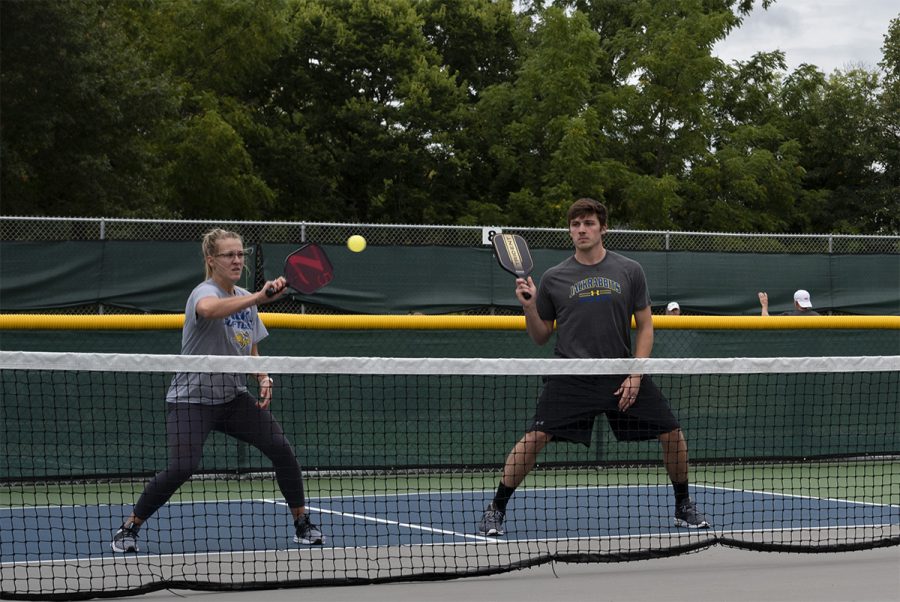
[[568, 405]]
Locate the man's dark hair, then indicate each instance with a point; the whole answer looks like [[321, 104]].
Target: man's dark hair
[[586, 206]]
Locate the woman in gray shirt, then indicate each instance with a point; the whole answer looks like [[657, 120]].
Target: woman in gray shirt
[[221, 319]]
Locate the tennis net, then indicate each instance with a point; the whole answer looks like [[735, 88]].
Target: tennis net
[[401, 456]]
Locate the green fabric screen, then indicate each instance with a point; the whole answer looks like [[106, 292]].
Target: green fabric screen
[[153, 276], [144, 276], [431, 280]]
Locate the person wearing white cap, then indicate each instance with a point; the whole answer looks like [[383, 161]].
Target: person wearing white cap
[[673, 309], [802, 304]]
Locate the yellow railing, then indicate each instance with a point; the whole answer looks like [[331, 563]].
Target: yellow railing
[[420, 322]]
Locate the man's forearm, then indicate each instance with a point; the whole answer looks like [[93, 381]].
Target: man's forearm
[[539, 330]]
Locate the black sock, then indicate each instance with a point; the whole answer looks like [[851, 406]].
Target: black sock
[[502, 496], [681, 492]]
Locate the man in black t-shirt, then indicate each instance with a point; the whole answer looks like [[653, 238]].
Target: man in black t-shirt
[[591, 297]]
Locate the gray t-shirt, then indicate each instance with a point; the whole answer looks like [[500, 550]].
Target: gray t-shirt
[[234, 335], [593, 305]]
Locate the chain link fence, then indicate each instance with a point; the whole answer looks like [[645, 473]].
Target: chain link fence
[[52, 229], [58, 229]]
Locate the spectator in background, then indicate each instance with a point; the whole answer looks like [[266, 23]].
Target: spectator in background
[[673, 309], [802, 304]]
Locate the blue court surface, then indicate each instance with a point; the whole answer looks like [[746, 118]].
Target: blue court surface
[[83, 532]]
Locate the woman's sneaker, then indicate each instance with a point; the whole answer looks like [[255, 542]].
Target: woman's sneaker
[[125, 539], [307, 532]]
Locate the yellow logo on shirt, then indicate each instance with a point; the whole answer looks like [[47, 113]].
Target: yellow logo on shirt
[[594, 286], [242, 338]]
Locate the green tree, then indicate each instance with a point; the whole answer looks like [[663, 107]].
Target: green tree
[[80, 113], [610, 101], [842, 136], [886, 217], [750, 178], [542, 126], [219, 54], [477, 40], [364, 101], [212, 173], [436, 111]]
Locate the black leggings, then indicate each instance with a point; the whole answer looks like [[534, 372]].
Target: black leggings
[[187, 427]]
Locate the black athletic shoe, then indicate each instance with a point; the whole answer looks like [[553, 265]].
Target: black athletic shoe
[[492, 521], [125, 539], [687, 515], [307, 532]]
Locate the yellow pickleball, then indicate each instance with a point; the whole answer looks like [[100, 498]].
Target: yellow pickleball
[[356, 243]]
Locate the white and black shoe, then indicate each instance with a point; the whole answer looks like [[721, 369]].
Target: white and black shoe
[[307, 532], [492, 521], [687, 515], [125, 539]]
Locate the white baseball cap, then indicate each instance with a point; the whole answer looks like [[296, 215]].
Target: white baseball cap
[[802, 298], [673, 305]]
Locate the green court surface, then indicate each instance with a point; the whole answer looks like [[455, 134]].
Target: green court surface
[[874, 481]]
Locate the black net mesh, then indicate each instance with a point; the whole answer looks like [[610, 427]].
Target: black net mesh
[[401, 457]]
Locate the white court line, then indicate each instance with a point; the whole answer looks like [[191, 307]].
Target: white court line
[[385, 521], [797, 495]]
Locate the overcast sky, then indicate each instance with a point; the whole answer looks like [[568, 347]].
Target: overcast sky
[[831, 34]]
